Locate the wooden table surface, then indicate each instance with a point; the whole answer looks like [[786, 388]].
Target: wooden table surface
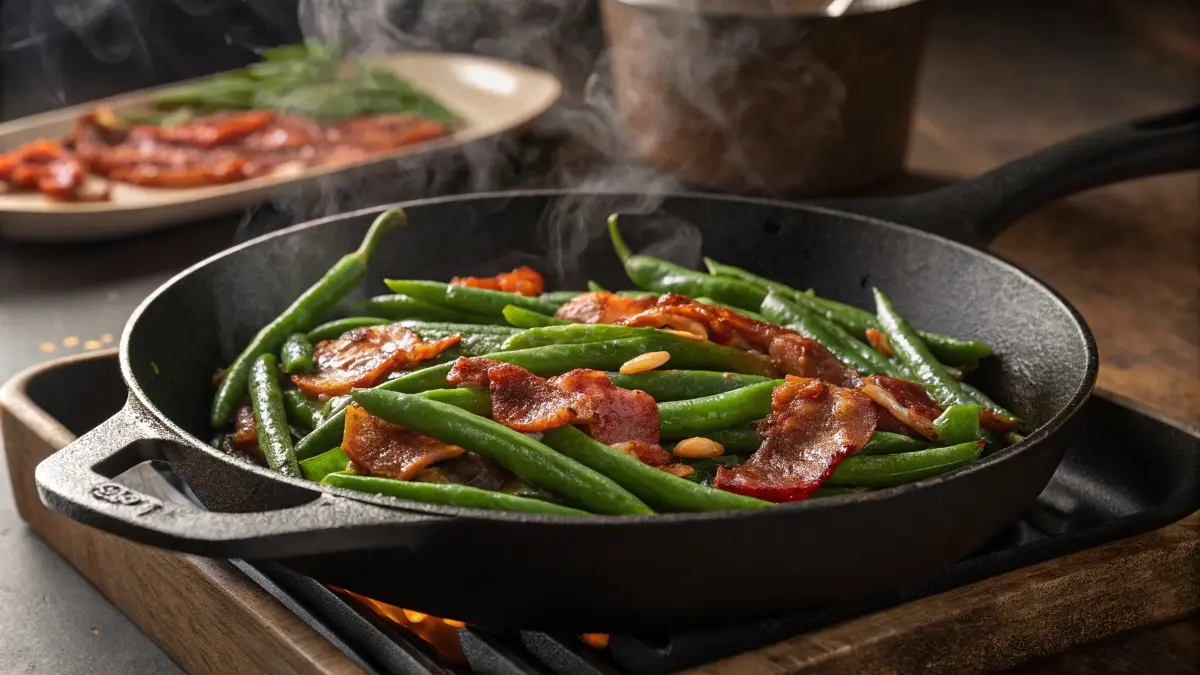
[[1126, 255]]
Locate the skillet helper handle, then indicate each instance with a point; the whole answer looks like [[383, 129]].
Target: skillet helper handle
[[77, 481], [976, 211]]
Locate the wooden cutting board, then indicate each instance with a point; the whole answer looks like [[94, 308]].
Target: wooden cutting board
[[212, 619], [205, 613]]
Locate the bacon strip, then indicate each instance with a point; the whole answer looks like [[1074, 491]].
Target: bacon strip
[[797, 355], [380, 448], [520, 399], [906, 401], [365, 356], [213, 149], [627, 420], [879, 342], [651, 454], [812, 427], [602, 307], [621, 415], [789, 351], [245, 432], [212, 130], [47, 167], [990, 420], [522, 281]]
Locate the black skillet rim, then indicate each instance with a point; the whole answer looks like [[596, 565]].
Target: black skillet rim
[[1082, 392]]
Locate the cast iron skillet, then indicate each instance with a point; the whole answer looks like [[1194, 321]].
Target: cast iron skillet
[[610, 573]]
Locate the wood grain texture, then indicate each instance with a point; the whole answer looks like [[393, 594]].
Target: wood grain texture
[[206, 614], [1124, 255], [1007, 620]]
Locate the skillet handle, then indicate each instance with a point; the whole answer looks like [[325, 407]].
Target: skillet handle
[[975, 211], [77, 482]]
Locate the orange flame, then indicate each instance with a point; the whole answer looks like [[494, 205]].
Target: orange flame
[[441, 634]]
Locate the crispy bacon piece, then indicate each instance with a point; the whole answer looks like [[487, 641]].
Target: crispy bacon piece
[[907, 401], [363, 357], [649, 453], [521, 400], [39, 151], [230, 170], [471, 372], [211, 130], [382, 133], [213, 149], [245, 433], [795, 354], [602, 307], [522, 281], [380, 448], [621, 415], [879, 342], [989, 420], [789, 351], [682, 313], [47, 167], [812, 427]]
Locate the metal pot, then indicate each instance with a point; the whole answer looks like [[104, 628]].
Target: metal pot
[[785, 97]]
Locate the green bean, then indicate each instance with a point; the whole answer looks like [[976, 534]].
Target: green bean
[[718, 269], [338, 327], [743, 440], [879, 471], [316, 468], [482, 301], [404, 307], [882, 364], [470, 345], [685, 352], [520, 454], [653, 274], [744, 312], [706, 469], [594, 287], [559, 297], [474, 401], [698, 416], [544, 362], [301, 315], [638, 295], [915, 356], [448, 494], [659, 489], [270, 419], [527, 318], [957, 424], [444, 328], [947, 349], [785, 313], [574, 333], [296, 355], [676, 385], [887, 443], [301, 409]]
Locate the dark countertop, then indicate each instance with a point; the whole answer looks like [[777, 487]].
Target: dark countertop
[[1000, 80]]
